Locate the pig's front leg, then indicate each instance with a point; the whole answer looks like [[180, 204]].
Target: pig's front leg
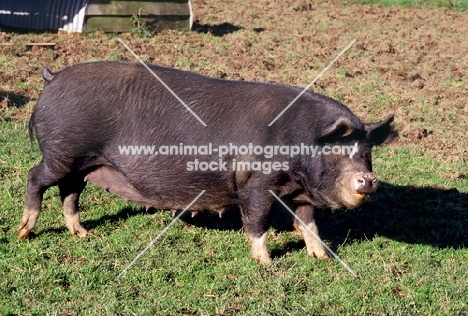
[[310, 232], [256, 211]]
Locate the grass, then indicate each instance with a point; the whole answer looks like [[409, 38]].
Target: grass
[[407, 243], [449, 4]]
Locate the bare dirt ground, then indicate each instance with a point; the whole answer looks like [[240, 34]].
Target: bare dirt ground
[[411, 62]]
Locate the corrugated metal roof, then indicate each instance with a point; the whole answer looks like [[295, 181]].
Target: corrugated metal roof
[[66, 15]]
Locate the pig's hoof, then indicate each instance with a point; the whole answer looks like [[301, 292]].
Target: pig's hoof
[[78, 230], [24, 228], [23, 232], [320, 255], [28, 221], [263, 259], [81, 232]]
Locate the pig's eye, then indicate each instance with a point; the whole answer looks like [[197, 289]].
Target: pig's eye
[[366, 154]]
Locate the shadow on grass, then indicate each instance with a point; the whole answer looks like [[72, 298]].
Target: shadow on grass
[[417, 215], [12, 99], [89, 224], [231, 220], [218, 30], [427, 215]]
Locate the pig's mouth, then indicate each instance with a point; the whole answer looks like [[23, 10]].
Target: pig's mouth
[[344, 198], [362, 196], [350, 198]]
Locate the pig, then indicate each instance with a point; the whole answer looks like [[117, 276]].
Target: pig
[[86, 111]]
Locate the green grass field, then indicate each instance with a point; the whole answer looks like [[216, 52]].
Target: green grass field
[[407, 243]]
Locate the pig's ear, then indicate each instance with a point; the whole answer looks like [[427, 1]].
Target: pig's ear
[[381, 132], [341, 128]]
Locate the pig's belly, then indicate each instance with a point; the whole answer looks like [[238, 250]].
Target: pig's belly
[[115, 182]]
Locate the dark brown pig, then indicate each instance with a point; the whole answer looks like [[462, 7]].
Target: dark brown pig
[[89, 114]]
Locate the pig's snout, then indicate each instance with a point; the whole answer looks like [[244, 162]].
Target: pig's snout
[[365, 183], [354, 187]]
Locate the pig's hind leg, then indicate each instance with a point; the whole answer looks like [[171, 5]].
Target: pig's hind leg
[[70, 190], [40, 178], [310, 232]]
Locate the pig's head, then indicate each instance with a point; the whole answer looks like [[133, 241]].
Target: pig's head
[[341, 175]]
